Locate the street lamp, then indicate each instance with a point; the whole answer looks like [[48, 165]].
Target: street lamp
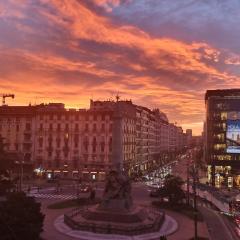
[[195, 201], [194, 176], [188, 179], [20, 163]]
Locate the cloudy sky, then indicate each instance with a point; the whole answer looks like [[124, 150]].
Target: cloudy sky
[[159, 53]]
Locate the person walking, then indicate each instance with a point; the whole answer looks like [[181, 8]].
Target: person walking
[[92, 193]]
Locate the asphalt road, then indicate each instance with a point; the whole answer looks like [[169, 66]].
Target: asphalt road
[[218, 226]]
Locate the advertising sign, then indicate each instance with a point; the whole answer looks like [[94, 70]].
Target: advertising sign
[[233, 133]]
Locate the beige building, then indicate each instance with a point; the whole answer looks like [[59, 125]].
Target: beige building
[[70, 142]]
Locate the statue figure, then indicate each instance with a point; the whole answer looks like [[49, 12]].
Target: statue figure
[[118, 187]]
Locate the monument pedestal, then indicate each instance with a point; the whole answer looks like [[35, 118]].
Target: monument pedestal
[[116, 214]]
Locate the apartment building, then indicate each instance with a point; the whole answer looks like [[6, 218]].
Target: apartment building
[[68, 142]]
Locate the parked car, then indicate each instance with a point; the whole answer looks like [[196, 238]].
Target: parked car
[[84, 188]]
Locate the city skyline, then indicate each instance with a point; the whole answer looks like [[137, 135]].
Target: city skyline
[[159, 54]]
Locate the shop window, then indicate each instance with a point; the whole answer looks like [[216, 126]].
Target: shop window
[[219, 146], [223, 115]]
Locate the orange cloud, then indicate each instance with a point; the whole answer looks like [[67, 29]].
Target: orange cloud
[[90, 56]]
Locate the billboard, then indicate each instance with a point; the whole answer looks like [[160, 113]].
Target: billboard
[[233, 132]]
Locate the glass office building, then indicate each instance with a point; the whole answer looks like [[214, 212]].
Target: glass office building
[[222, 131]]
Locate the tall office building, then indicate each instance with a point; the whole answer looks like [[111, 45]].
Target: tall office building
[[222, 136]]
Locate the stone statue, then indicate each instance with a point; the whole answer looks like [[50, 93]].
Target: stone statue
[[117, 190]]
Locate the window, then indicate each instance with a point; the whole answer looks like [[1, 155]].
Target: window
[[219, 146], [28, 126], [94, 127], [86, 143], [76, 138], [40, 142], [27, 157], [102, 147], [94, 144], [223, 115], [86, 127], [110, 144], [58, 142]]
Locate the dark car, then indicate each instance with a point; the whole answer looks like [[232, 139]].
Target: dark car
[[84, 188], [154, 193]]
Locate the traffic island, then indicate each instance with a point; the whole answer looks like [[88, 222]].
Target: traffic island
[[168, 227]]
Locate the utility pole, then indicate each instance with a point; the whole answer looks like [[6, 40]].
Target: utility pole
[[195, 202], [188, 197], [20, 163]]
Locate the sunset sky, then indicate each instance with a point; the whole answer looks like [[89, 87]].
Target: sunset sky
[[159, 53]]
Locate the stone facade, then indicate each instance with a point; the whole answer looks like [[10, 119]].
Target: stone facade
[[80, 142]]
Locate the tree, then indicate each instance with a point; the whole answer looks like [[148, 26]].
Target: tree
[[173, 189], [20, 218], [6, 163], [200, 163]]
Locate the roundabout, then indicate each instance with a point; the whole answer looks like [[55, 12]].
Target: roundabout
[[168, 227], [116, 216]]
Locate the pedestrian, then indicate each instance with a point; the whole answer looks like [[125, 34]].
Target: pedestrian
[[92, 194], [29, 189]]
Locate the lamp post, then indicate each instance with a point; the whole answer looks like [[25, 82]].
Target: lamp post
[[195, 202], [20, 173], [188, 198]]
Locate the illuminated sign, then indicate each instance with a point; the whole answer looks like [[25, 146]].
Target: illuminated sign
[[233, 136]]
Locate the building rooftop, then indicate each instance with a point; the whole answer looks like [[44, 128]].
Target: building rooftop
[[222, 93]]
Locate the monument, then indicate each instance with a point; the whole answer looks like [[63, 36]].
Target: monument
[[116, 214]]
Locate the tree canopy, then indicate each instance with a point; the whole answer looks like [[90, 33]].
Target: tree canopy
[[20, 217], [6, 164], [173, 189]]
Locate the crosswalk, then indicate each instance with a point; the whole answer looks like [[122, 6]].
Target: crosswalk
[[52, 196]]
